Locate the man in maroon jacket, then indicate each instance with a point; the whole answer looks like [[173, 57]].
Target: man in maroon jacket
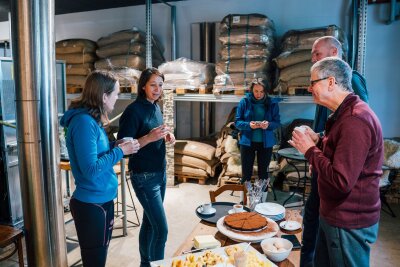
[[348, 160]]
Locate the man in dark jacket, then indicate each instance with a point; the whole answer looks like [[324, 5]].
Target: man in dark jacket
[[348, 161], [323, 47]]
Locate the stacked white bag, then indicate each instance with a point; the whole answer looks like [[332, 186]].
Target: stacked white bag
[[187, 74]]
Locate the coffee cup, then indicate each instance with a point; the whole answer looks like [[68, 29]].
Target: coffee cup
[[301, 128], [206, 207], [126, 139], [238, 208]]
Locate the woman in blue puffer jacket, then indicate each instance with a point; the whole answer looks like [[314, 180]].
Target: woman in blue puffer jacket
[[257, 117]]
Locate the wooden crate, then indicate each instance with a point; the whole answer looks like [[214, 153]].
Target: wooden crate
[[183, 178]]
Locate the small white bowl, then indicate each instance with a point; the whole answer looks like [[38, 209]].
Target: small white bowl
[[276, 256]]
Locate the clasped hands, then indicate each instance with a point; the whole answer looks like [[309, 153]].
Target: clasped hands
[[303, 139]]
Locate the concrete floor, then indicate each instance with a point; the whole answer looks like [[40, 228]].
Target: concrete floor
[[180, 204]]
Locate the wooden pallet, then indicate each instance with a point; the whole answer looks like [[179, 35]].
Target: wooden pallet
[[298, 90], [203, 89], [74, 90], [231, 180], [183, 178], [236, 90], [128, 89], [290, 186]]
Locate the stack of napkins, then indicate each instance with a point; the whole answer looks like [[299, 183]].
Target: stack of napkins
[[205, 241]]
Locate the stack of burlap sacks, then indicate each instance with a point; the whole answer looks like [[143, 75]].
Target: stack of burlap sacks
[[79, 55], [194, 160], [124, 54], [294, 62], [188, 74], [247, 42], [392, 161], [228, 153]]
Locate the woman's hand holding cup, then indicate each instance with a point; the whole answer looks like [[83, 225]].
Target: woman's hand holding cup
[[129, 145]]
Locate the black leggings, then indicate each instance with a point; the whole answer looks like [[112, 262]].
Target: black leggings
[[94, 225], [248, 155]]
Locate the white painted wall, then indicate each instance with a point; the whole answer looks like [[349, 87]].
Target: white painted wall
[[4, 30], [382, 61]]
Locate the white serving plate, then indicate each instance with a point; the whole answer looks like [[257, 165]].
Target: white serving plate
[[272, 227], [220, 251], [290, 225], [269, 209]]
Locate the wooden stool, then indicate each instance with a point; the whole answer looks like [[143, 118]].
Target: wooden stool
[[9, 235]]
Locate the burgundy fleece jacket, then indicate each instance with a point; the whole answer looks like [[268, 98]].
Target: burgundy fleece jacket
[[348, 161]]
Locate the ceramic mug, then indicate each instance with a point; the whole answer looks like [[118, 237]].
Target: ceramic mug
[[206, 207], [238, 208], [301, 128]]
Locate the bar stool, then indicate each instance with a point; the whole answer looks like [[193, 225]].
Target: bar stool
[[10, 235], [121, 170]]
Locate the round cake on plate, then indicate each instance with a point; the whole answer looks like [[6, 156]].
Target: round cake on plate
[[246, 221]]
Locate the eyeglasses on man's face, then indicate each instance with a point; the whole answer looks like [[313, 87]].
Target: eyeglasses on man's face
[[313, 82]]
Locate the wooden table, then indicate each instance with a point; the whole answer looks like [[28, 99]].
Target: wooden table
[[205, 228]]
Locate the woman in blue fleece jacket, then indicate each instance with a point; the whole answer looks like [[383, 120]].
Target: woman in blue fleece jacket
[[92, 158], [257, 116]]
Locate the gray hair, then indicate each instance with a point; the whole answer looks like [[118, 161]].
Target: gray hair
[[332, 42], [334, 67]]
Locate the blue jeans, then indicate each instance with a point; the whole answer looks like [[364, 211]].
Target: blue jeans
[[344, 247], [310, 225], [150, 190]]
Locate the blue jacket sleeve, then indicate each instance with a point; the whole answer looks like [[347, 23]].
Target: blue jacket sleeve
[[359, 85], [86, 138], [276, 118], [240, 121]]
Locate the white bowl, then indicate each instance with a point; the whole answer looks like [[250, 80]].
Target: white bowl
[[280, 255]]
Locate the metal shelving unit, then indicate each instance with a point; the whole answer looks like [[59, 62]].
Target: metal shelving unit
[[236, 98], [218, 98]]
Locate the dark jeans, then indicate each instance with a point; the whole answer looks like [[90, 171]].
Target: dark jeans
[[150, 190], [248, 155], [344, 247], [94, 226], [310, 225]]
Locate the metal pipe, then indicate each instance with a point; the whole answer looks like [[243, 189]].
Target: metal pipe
[[29, 144], [44, 51], [362, 37], [173, 33], [149, 62], [353, 30]]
